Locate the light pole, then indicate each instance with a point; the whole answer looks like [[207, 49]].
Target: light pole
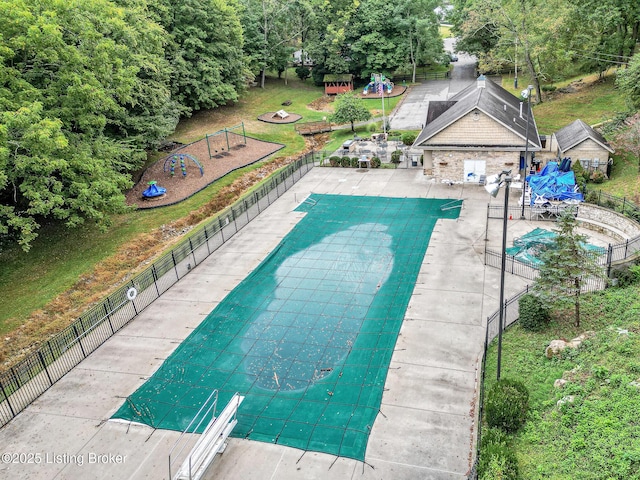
[[527, 96], [493, 186]]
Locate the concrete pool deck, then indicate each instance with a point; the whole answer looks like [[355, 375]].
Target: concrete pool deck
[[426, 425]]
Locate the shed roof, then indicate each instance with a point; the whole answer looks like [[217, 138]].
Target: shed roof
[[340, 77], [577, 132]]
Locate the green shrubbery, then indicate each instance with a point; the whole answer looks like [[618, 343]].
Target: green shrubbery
[[597, 176], [351, 162], [507, 405], [534, 315], [627, 276], [395, 156], [408, 138], [497, 458]]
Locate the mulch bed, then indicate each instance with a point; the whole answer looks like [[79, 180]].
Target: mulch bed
[[181, 187], [271, 117]]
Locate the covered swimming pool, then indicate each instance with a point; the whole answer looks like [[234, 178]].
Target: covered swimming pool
[[308, 336]]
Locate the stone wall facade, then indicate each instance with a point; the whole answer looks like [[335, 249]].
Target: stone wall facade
[[449, 164]]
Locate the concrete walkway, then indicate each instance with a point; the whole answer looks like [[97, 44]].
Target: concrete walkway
[[411, 112], [426, 425]]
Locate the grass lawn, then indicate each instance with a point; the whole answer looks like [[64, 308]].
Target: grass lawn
[[625, 179], [598, 435], [593, 105], [598, 102], [59, 257]]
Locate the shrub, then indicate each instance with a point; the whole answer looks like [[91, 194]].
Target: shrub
[[408, 138], [627, 275], [548, 88], [334, 161], [497, 459], [303, 72], [592, 197], [375, 162], [345, 161], [354, 162], [374, 127], [582, 175], [534, 315], [395, 156], [507, 405], [597, 176]]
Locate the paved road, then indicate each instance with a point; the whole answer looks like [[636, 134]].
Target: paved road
[[412, 111]]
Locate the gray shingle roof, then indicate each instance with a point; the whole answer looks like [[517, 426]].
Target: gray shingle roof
[[492, 100], [577, 132]]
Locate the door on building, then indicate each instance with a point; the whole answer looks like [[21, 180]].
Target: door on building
[[473, 170]]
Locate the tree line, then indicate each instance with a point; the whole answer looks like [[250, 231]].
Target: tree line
[[87, 87]]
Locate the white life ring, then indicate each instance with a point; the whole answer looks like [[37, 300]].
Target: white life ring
[[132, 293]]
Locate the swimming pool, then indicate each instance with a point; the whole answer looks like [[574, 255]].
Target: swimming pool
[[308, 336]]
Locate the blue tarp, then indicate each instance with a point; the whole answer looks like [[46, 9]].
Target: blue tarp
[[553, 184]]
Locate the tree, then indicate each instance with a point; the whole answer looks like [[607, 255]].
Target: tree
[[328, 44], [628, 81], [567, 264], [350, 109], [270, 26], [208, 59], [69, 131]]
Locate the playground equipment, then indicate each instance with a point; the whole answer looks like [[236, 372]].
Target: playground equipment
[[219, 143], [180, 160], [153, 190], [378, 83]]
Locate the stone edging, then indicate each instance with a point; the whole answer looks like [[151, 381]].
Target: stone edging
[[607, 221]]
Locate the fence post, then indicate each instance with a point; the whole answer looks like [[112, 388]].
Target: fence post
[[175, 265], [193, 254], [75, 332], [6, 398], [609, 257], [220, 225], [206, 240], [107, 313], [135, 310], [154, 274], [44, 366]]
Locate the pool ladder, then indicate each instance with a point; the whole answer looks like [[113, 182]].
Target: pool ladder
[[450, 205]]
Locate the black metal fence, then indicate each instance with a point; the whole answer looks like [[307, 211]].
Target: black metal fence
[[26, 381], [511, 315], [620, 205], [614, 253]]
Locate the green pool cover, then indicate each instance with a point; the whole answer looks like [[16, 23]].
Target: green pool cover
[[308, 336]]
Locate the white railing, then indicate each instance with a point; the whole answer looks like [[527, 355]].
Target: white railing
[[211, 442]]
